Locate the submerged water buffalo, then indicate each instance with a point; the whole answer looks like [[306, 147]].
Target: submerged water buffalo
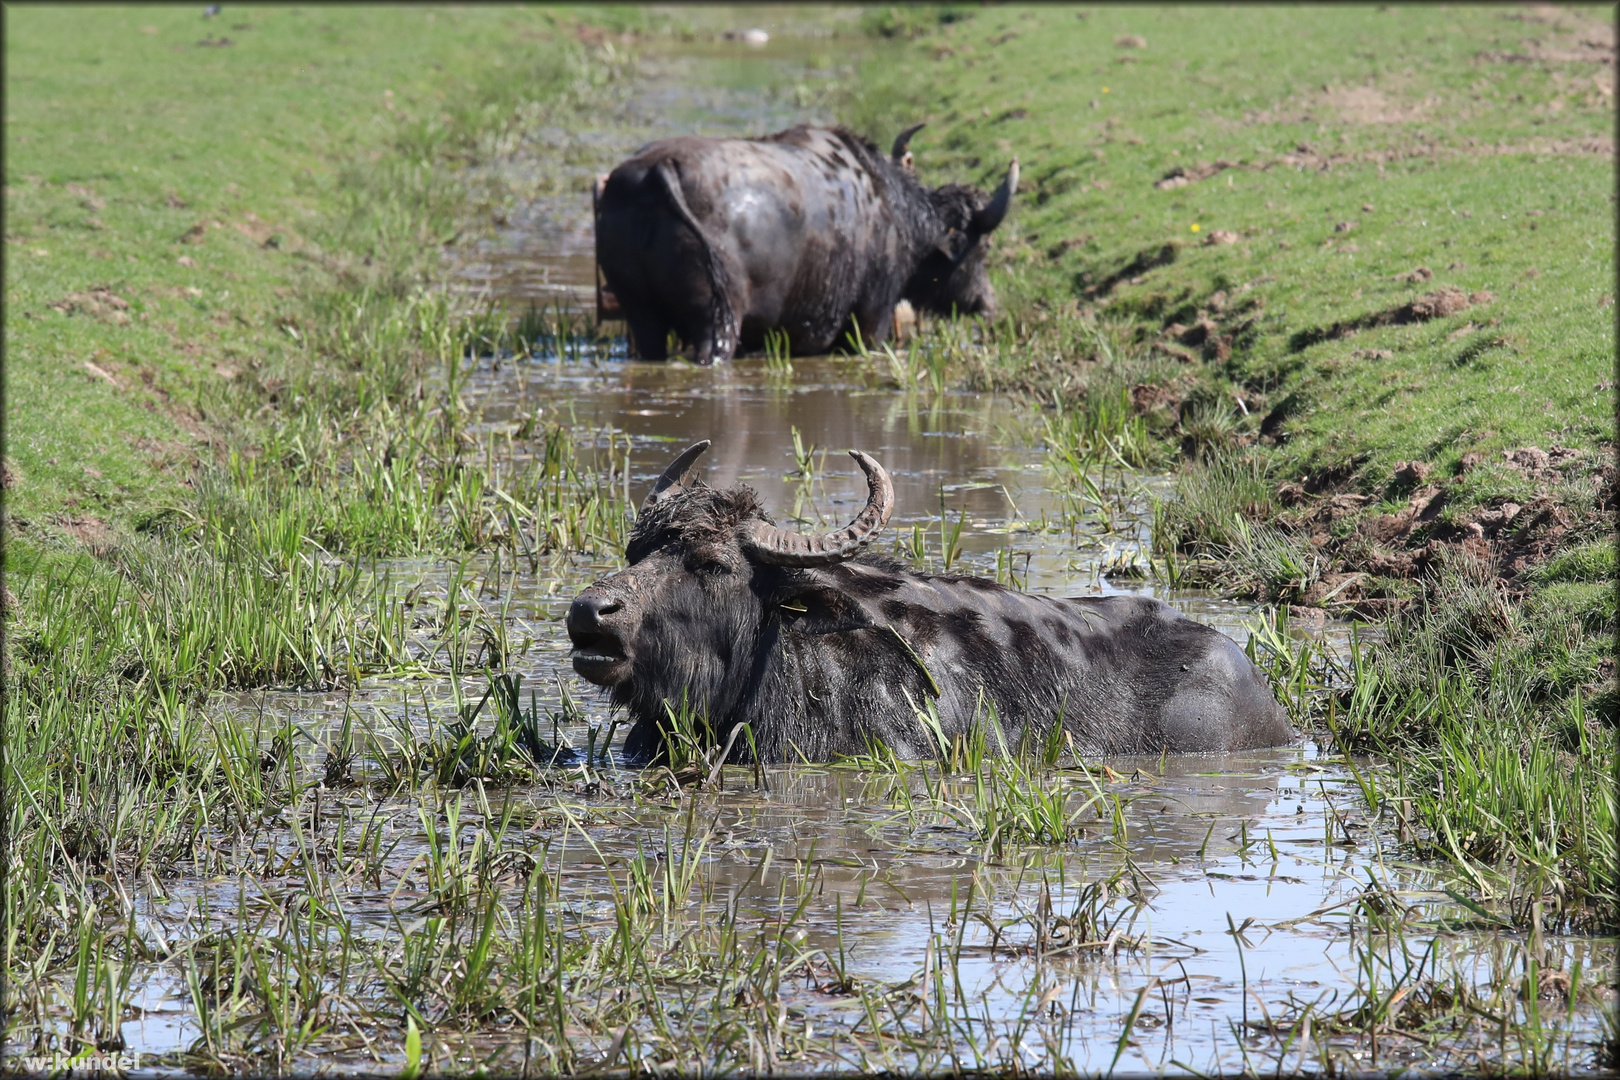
[[824, 651], [809, 231]]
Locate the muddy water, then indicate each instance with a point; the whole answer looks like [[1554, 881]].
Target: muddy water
[[1239, 886], [973, 458]]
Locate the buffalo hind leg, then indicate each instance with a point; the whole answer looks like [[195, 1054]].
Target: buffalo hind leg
[[649, 338], [713, 337], [876, 325]]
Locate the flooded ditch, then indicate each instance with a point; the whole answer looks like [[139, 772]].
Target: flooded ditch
[[1200, 913]]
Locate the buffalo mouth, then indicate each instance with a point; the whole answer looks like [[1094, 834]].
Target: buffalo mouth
[[600, 659]]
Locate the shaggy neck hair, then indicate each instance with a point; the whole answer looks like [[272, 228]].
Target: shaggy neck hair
[[708, 663]]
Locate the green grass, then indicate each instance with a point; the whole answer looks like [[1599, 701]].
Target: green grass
[[260, 208], [1496, 175], [217, 329]]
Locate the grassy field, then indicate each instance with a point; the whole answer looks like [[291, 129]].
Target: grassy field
[[217, 321], [179, 190], [1344, 150], [1356, 267]]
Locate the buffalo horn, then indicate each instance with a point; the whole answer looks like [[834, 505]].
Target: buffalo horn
[[770, 544], [902, 140], [987, 219], [670, 484]]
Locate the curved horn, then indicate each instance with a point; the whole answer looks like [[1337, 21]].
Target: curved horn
[[769, 544], [670, 484], [901, 140], [987, 219]]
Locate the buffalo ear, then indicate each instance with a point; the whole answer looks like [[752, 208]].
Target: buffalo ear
[[815, 608]]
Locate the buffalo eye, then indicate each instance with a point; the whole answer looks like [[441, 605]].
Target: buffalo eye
[[709, 567]]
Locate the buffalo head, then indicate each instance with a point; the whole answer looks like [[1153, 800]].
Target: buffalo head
[[952, 278], [709, 576]]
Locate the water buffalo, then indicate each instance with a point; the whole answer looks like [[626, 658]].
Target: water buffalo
[[809, 231], [824, 651]]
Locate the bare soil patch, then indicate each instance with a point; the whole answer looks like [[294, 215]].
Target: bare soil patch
[[1507, 536], [1444, 301], [92, 532], [1574, 39], [1182, 175], [1370, 105], [99, 302]]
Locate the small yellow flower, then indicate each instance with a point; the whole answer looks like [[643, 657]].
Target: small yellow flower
[[1105, 89], [1195, 226]]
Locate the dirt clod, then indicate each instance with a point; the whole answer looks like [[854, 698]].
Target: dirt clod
[[1416, 274], [1444, 301], [1066, 245], [197, 232], [1437, 305], [1131, 41], [1496, 517], [1181, 175], [1306, 615], [1530, 457], [100, 302], [1412, 472], [1221, 236], [1145, 397]]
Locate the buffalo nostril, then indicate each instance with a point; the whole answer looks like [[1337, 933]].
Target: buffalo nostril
[[587, 611]]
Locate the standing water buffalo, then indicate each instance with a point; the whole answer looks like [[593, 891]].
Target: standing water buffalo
[[825, 652], [809, 231]]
